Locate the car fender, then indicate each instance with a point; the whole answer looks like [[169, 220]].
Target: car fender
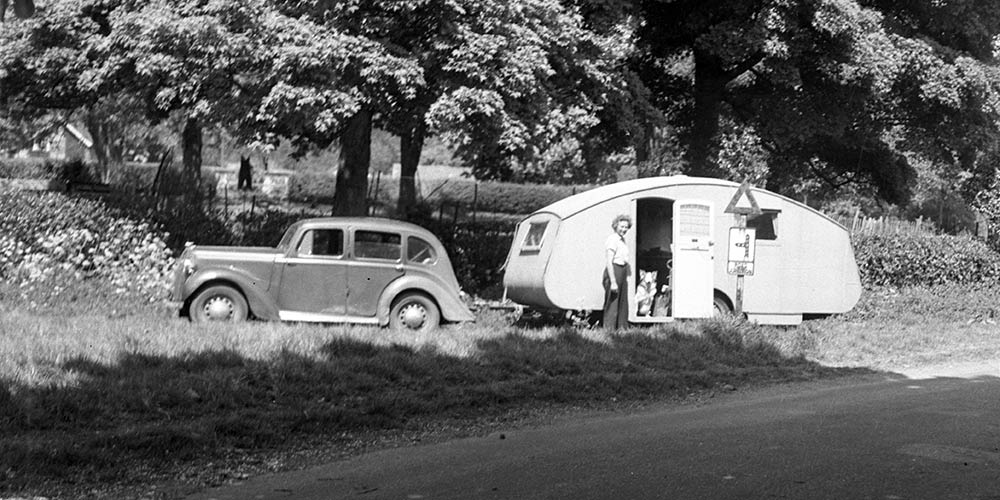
[[452, 308], [253, 288]]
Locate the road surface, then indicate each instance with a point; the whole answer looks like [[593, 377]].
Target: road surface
[[898, 437]]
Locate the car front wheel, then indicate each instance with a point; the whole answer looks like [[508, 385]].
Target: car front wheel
[[415, 312], [218, 303]]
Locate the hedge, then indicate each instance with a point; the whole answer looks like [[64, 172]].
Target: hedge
[[497, 197], [40, 168], [911, 260]]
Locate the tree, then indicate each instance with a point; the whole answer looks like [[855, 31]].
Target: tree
[[85, 57], [836, 90], [503, 80], [529, 83], [22, 8]]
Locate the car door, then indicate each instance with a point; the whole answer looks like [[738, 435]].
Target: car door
[[313, 283], [376, 262]]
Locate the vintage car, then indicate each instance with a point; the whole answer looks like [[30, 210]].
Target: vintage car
[[362, 270]]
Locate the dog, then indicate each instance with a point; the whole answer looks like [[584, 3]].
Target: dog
[[645, 292]]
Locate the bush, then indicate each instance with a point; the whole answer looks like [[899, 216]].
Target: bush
[[504, 197], [497, 197], [49, 242], [38, 168], [477, 251], [911, 260]]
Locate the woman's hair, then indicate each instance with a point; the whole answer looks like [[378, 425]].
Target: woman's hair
[[619, 218]]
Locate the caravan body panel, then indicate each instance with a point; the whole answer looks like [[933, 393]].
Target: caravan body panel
[[804, 260]]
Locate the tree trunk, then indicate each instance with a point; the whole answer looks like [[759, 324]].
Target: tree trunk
[[98, 133], [703, 142], [410, 146], [352, 177], [191, 173]]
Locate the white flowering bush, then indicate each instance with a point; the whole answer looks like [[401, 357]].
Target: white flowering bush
[[50, 243]]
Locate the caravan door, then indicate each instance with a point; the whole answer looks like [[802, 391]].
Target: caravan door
[[693, 271]]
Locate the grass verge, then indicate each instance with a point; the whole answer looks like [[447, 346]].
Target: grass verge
[[88, 399]]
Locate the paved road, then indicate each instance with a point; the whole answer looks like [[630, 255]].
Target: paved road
[[898, 438]]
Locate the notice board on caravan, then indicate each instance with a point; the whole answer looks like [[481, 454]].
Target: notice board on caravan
[[803, 262]]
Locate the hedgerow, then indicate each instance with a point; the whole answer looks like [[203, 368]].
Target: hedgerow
[[504, 197], [497, 197], [477, 252], [35, 168], [927, 260]]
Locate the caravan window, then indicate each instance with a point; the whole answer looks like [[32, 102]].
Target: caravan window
[[533, 240], [766, 224]]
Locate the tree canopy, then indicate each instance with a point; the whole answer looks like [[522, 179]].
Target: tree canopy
[[838, 90], [844, 92]]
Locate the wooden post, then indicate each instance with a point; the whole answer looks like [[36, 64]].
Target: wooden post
[[475, 201], [738, 303]]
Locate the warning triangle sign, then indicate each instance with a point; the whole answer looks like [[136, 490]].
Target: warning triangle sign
[[743, 202]]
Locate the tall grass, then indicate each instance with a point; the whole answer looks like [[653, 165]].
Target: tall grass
[[87, 398]]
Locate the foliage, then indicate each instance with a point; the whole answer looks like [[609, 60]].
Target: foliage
[[830, 90], [49, 241], [477, 252], [920, 260], [987, 203], [531, 82], [490, 196], [505, 197], [38, 168]]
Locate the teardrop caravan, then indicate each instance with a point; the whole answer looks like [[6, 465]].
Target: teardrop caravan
[[803, 264]]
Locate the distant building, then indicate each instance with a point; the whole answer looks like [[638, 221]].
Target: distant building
[[67, 142], [435, 172]]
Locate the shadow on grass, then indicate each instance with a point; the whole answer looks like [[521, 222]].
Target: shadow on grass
[[159, 411]]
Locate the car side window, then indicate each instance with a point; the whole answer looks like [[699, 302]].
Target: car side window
[[419, 251], [377, 245], [322, 242]]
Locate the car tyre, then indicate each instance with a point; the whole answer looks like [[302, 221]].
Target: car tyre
[[218, 303], [414, 312]]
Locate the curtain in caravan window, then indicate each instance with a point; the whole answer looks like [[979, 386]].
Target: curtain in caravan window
[[766, 224]]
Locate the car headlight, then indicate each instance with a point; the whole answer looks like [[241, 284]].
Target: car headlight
[[187, 267]]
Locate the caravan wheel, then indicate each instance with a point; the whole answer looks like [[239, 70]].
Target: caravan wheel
[[722, 306]]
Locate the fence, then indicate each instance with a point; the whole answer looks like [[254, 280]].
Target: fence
[[859, 224]]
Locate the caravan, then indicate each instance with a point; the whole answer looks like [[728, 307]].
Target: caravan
[[803, 264]]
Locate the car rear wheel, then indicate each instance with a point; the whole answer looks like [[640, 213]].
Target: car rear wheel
[[218, 303], [414, 312]]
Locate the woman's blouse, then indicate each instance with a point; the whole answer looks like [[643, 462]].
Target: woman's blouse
[[616, 244]]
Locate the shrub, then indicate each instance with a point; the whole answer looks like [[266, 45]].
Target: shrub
[[50, 241], [477, 252], [498, 197], [504, 197], [911, 260], [37, 168]]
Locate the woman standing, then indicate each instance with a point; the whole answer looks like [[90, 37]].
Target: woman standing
[[616, 271]]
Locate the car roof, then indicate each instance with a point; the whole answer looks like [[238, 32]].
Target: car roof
[[380, 223]]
